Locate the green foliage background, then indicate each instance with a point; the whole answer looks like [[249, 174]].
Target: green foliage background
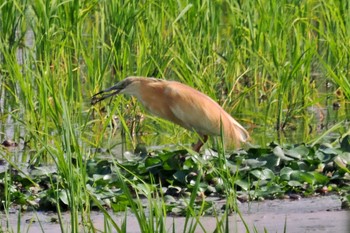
[[276, 66]]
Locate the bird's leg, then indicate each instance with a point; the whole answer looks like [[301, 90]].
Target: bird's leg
[[200, 143]]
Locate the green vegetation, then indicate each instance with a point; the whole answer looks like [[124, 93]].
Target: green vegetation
[[280, 67]]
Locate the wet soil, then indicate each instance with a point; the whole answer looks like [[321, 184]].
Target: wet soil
[[317, 214]]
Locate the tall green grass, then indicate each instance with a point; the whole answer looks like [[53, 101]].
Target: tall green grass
[[264, 61]]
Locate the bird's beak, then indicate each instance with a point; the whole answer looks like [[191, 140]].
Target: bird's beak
[[98, 97]]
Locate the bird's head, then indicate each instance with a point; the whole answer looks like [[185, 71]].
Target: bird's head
[[123, 86], [128, 86]]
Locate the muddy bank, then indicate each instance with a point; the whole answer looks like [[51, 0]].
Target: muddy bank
[[318, 214]]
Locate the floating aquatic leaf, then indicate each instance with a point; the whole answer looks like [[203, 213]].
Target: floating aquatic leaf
[[257, 152], [253, 163], [329, 151], [169, 199], [299, 165], [294, 183], [320, 178], [257, 173], [346, 202], [63, 197], [232, 167], [285, 173], [341, 162], [153, 162], [119, 206], [172, 163], [264, 174], [171, 154], [302, 177], [181, 176], [346, 157], [271, 160], [278, 151], [322, 156], [212, 189], [345, 143], [178, 210], [271, 189], [203, 186], [42, 171], [293, 153], [144, 188], [303, 150]]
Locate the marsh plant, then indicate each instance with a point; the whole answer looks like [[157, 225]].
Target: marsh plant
[[280, 67]]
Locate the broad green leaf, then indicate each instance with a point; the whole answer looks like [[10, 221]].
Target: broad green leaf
[[285, 173], [345, 143], [292, 153], [307, 177], [320, 178], [243, 184], [253, 163], [181, 176], [302, 150], [329, 151], [278, 151], [346, 157], [322, 156], [302, 177], [294, 183], [264, 174], [152, 162], [63, 196]]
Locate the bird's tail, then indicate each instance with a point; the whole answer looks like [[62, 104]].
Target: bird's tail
[[236, 133], [240, 131]]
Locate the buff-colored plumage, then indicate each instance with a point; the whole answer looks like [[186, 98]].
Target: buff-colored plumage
[[182, 105]]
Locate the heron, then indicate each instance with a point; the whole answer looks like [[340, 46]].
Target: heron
[[182, 105]]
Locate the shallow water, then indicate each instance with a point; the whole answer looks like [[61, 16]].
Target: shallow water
[[318, 214]]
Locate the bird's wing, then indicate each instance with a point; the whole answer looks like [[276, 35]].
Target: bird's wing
[[193, 109], [198, 112]]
